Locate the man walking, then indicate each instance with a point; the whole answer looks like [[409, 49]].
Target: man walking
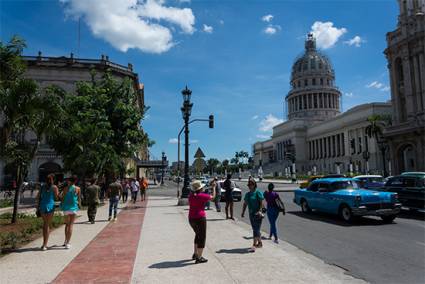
[[228, 186], [114, 194], [143, 188], [92, 195], [134, 189]]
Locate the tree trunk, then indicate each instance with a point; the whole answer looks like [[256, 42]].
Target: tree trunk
[[17, 191]]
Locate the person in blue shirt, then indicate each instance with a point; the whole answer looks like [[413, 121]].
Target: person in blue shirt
[[254, 201], [46, 206], [70, 205]]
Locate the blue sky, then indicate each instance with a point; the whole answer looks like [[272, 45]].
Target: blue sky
[[234, 55]]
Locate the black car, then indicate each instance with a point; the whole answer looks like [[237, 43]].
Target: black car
[[410, 189]]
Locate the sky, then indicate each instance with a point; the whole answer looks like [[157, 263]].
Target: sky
[[235, 56]]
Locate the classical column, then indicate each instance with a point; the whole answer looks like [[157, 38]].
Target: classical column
[[421, 69], [417, 93], [408, 90]]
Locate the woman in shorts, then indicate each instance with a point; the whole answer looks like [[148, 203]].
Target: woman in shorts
[[69, 205], [46, 197]]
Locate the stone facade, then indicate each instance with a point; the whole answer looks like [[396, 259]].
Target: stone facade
[[406, 63], [65, 72], [317, 136]]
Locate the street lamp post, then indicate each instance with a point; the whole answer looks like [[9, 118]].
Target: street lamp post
[[186, 112], [164, 158]]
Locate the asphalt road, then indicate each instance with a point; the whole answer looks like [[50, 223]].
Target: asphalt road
[[367, 249]]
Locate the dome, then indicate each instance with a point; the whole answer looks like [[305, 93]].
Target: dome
[[313, 94], [312, 61]]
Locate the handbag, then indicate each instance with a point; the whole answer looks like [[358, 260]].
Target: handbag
[[280, 206]]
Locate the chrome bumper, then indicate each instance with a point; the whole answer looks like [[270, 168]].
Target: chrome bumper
[[363, 211]]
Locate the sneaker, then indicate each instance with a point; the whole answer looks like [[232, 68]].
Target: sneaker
[[43, 248], [114, 220], [109, 219], [194, 257], [276, 241], [68, 246], [201, 260], [92, 222], [259, 245]]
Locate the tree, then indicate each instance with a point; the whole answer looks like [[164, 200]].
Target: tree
[[375, 129], [28, 113], [100, 128], [212, 165]]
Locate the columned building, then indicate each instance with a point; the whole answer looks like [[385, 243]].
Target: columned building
[[406, 63], [65, 72], [317, 137]]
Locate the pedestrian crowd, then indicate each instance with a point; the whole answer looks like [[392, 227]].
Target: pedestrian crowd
[[71, 195], [257, 202]]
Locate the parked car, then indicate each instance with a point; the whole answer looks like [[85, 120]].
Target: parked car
[[343, 196], [370, 181], [334, 176], [237, 192], [410, 189], [307, 183], [413, 174]]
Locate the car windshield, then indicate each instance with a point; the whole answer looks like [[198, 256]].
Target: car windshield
[[346, 184], [375, 179]]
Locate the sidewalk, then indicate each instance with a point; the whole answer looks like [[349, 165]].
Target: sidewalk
[[153, 243], [166, 247]]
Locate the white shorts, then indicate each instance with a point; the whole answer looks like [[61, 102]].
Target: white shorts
[[70, 212]]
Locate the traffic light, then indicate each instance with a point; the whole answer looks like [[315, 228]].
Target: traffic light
[[211, 121]]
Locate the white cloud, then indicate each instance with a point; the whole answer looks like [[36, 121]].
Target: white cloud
[[184, 1], [267, 18], [272, 29], [350, 95], [326, 34], [262, 136], [254, 117], [208, 29], [221, 22], [269, 122], [127, 24], [356, 41], [378, 85]]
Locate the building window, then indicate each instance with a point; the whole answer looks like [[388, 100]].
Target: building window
[[305, 65], [305, 82], [321, 81], [309, 101], [343, 144], [314, 81], [315, 100], [299, 84], [320, 100], [320, 65], [305, 101], [360, 145], [300, 106], [313, 63]]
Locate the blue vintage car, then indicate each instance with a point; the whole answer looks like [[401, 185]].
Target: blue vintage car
[[344, 197]]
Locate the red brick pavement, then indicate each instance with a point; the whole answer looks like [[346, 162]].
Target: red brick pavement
[[110, 257]]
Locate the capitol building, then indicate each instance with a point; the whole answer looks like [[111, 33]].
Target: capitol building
[[317, 137]]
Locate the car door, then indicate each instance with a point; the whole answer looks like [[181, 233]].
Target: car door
[[312, 195], [326, 200]]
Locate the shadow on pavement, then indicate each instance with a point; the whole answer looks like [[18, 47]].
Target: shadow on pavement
[[334, 219], [234, 251], [172, 264], [88, 223], [213, 220], [411, 214]]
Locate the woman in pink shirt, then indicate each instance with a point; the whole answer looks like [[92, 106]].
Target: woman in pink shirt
[[197, 218]]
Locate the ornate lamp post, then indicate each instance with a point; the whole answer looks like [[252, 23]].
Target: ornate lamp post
[[164, 158], [186, 112]]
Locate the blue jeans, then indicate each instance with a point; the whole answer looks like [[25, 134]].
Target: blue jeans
[[272, 214], [113, 204], [255, 224], [217, 203]]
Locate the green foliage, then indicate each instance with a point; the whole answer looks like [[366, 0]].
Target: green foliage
[[99, 126], [26, 110], [6, 203]]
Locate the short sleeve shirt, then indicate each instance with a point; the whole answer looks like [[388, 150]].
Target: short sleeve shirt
[[197, 205], [271, 197], [253, 200]]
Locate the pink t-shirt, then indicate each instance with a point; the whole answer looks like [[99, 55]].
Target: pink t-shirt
[[197, 205]]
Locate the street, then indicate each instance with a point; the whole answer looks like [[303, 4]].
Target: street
[[367, 248]]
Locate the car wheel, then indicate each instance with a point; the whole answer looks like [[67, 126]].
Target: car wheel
[[345, 213], [304, 206], [388, 219]]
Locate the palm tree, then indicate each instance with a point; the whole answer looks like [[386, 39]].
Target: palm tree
[[375, 129], [26, 112]]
